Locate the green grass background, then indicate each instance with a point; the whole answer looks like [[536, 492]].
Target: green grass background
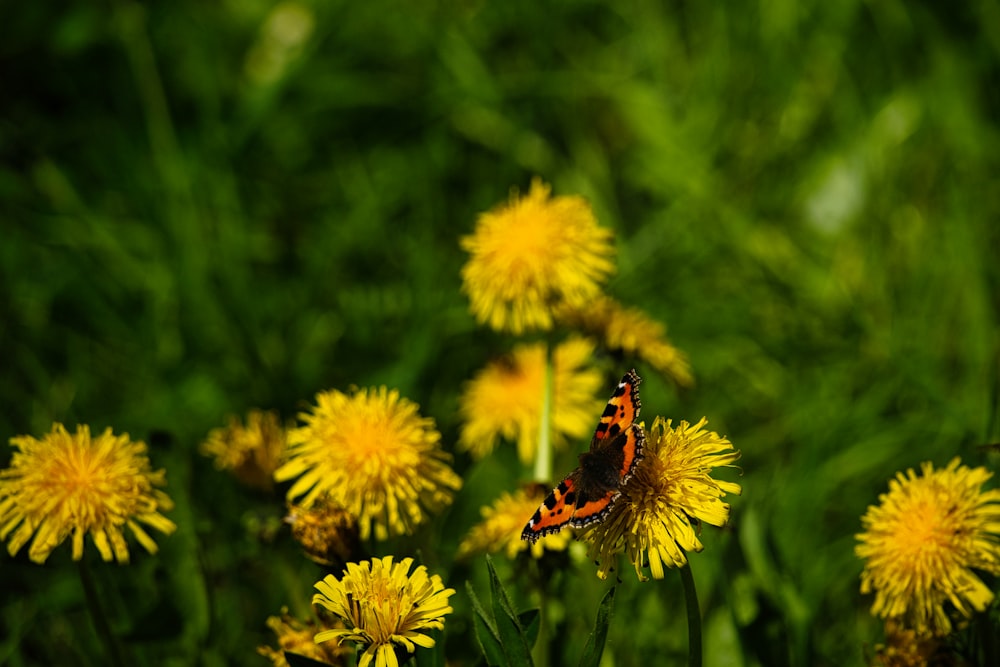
[[806, 193]]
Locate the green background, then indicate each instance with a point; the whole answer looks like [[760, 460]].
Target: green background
[[201, 215]]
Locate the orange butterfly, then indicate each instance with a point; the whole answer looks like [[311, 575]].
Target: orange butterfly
[[588, 493]]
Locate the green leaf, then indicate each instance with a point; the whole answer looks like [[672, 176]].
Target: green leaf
[[530, 621], [595, 643], [512, 638], [486, 632]]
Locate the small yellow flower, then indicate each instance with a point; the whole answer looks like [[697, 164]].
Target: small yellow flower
[[71, 484], [922, 542], [534, 255], [327, 532], [672, 487], [504, 401], [631, 332], [503, 521], [296, 636], [385, 608], [253, 452], [374, 455]]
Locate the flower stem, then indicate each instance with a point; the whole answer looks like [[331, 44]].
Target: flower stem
[[543, 457], [693, 616], [100, 620]]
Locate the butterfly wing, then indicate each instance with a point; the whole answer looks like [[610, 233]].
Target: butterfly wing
[[622, 409], [555, 511]]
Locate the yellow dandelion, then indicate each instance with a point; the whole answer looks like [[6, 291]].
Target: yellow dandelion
[[71, 484], [371, 453], [253, 452], [534, 255], [386, 609], [672, 487], [504, 401], [503, 521], [327, 533], [296, 636], [922, 541], [633, 333]]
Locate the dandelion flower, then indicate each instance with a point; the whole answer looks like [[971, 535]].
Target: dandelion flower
[[633, 333], [253, 452], [922, 542], [295, 636], [671, 488], [504, 401], [69, 484], [503, 521], [386, 609], [327, 532], [371, 453], [534, 255]]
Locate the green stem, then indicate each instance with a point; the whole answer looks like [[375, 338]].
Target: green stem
[[693, 616], [540, 651], [543, 473], [97, 615], [543, 457]]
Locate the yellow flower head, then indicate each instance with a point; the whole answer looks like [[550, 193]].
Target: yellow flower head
[[534, 255], [73, 484], [374, 455], [503, 521], [633, 333], [505, 399], [922, 542], [672, 486], [327, 532], [385, 608], [296, 636], [253, 452]]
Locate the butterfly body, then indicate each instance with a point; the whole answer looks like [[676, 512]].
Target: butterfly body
[[588, 493]]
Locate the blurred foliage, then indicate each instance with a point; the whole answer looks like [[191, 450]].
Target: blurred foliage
[[211, 207]]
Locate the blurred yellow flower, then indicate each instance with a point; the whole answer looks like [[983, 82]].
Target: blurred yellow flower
[[633, 333], [504, 401], [296, 636], [71, 484], [671, 488], [253, 452], [374, 455], [503, 521], [327, 533], [386, 609], [922, 541], [533, 255]]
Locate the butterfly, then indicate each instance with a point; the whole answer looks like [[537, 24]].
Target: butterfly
[[588, 493]]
